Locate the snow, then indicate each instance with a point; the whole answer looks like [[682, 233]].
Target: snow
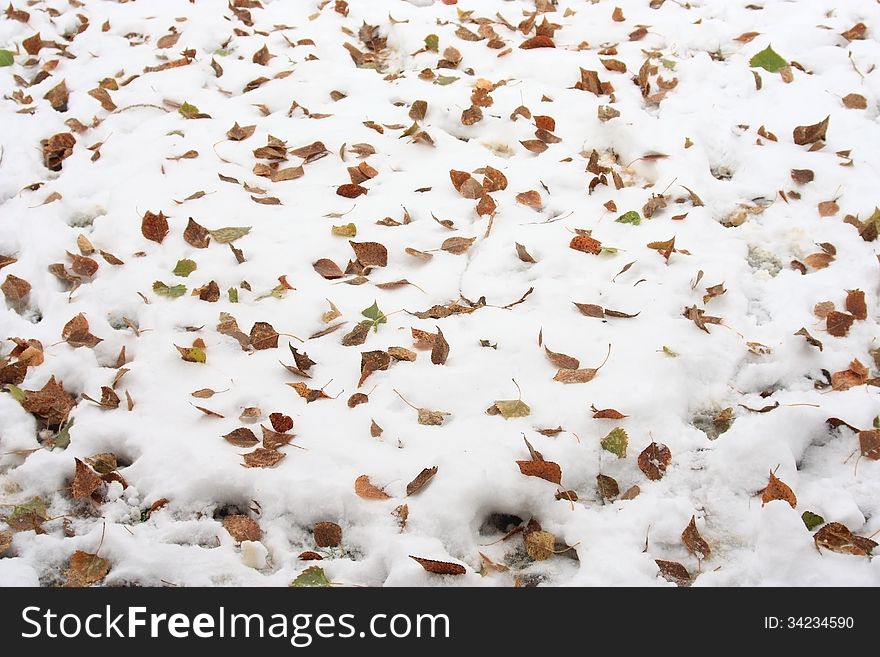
[[168, 449]]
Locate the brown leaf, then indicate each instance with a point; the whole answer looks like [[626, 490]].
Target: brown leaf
[[838, 323], [607, 414], [457, 245], [263, 336], [85, 481], [465, 184], [819, 260], [576, 376], [828, 208], [778, 490], [746, 37], [540, 41], [534, 145], [855, 33], [280, 422], [328, 269], [209, 292], [56, 149], [855, 375], [51, 404], [855, 101], [631, 493], [103, 96], [82, 265], [823, 309], [809, 338], [471, 115], [262, 458], [240, 133], [327, 534], [196, 235], [838, 538], [370, 254], [375, 429], [493, 180], [586, 244], [810, 134], [350, 190], [372, 361], [531, 199], [58, 97], [242, 437], [366, 490], [855, 304], [307, 393], [544, 469], [562, 361], [698, 317], [486, 206], [242, 528], [440, 349], [168, 41], [672, 571], [654, 460], [523, 254], [154, 226], [17, 292], [608, 487], [85, 569], [614, 65], [418, 110], [421, 480], [76, 333], [357, 335], [439, 567], [802, 176], [869, 443], [695, 543], [262, 56]]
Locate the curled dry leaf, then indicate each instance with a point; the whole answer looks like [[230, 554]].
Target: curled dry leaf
[[366, 490], [777, 489], [523, 254], [421, 480], [439, 567], [606, 414], [440, 349], [76, 333], [837, 537]]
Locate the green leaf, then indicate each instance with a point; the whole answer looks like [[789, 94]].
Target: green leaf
[[668, 63], [443, 80], [312, 576], [432, 42], [192, 354], [666, 350], [184, 267], [188, 111], [17, 393], [512, 408], [769, 60], [812, 520], [179, 133], [877, 422], [35, 505], [631, 217], [62, 440], [609, 249], [615, 442], [375, 316], [229, 234], [6, 58], [233, 294], [172, 291], [346, 230]]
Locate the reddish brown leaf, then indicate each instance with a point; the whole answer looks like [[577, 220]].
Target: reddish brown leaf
[[263, 336], [674, 572], [85, 569], [654, 460], [778, 490], [695, 543], [869, 443], [154, 226], [370, 254], [372, 361], [242, 437], [17, 292], [76, 333], [328, 269], [855, 101], [562, 361], [837, 537], [280, 422], [855, 375], [85, 481], [544, 469], [810, 134], [539, 41], [586, 244], [439, 567], [327, 534], [855, 304], [350, 190], [838, 323]]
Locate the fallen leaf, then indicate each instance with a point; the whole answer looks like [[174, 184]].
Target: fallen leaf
[[372, 361], [421, 480], [196, 235], [769, 60], [616, 442], [855, 101], [439, 567], [855, 33], [76, 333], [262, 458], [17, 292], [85, 569], [539, 545], [85, 481], [562, 361], [838, 323], [674, 572], [263, 336], [440, 349], [809, 338], [242, 528], [776, 489], [654, 460], [837, 537], [607, 486], [327, 534], [695, 543], [810, 134], [370, 254], [229, 234], [457, 245], [869, 443], [855, 304], [855, 375], [586, 244], [366, 490], [154, 226]]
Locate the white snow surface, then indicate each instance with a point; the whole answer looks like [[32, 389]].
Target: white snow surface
[[168, 449]]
